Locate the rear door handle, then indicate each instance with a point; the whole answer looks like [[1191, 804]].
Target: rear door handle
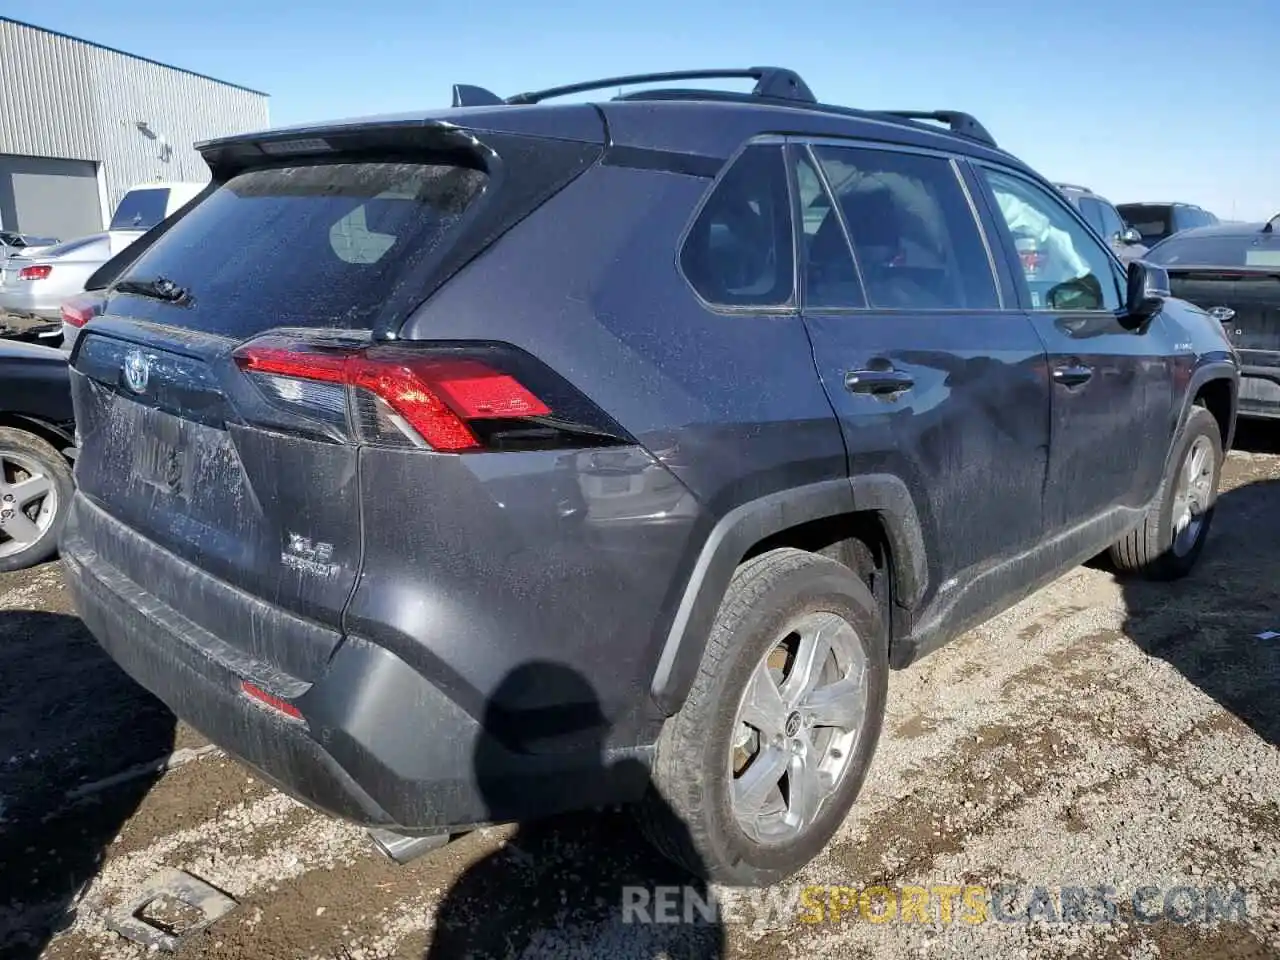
[[1072, 374], [880, 383]]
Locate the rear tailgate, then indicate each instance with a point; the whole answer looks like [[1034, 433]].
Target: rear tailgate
[[248, 477], [1246, 300]]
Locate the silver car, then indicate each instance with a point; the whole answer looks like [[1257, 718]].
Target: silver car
[[36, 286]]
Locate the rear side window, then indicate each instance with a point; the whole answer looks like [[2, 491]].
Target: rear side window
[[141, 209], [739, 251], [1258, 250], [915, 240], [1152, 221], [317, 245]]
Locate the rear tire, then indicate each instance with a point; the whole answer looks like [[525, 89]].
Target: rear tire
[[1168, 542], [30, 525], [826, 725]]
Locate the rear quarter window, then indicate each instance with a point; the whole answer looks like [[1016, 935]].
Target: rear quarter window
[[315, 245]]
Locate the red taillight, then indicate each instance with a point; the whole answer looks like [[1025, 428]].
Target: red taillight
[[435, 396], [271, 700], [38, 272]]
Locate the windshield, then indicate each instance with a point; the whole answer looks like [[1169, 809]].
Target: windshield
[[316, 245], [141, 209], [1249, 250]]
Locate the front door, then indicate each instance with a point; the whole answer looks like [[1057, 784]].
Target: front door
[[933, 380], [1112, 387]]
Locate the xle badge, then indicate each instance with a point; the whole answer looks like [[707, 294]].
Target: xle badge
[[303, 555]]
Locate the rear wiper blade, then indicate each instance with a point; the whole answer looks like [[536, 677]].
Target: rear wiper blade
[[158, 288]]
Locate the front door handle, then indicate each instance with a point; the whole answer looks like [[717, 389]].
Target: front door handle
[[879, 383], [1072, 374]]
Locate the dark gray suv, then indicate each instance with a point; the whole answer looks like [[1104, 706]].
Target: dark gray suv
[[481, 464], [1125, 241]]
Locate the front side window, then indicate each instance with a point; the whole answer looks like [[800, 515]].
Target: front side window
[[739, 252], [1064, 266], [915, 240]]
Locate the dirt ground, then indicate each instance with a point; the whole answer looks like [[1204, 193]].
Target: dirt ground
[[1097, 735]]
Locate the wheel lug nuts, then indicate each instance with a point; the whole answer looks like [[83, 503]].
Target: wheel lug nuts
[[8, 498]]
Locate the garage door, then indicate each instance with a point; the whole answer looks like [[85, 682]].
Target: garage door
[[49, 198]]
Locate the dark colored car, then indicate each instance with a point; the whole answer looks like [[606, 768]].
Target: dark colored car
[[1126, 242], [1233, 272], [1157, 221], [36, 438], [521, 457]]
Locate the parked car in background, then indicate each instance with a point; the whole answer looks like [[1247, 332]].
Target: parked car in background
[[1233, 272], [36, 439], [1104, 218], [527, 457], [24, 243], [1156, 221], [36, 284]]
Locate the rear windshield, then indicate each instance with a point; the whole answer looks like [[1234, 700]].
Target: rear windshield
[[318, 245], [141, 209], [1257, 250], [1150, 221]]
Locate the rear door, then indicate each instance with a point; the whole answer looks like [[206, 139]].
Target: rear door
[[1110, 385], [933, 378]]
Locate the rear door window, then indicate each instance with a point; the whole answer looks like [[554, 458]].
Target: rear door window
[[916, 242], [739, 251], [141, 209], [315, 245]]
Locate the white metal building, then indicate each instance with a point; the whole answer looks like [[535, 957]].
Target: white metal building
[[81, 123]]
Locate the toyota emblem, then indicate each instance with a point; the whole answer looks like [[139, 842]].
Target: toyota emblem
[[1222, 314], [137, 370]]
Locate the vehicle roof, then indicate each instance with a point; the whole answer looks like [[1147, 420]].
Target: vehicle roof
[[1222, 230], [713, 127], [1160, 203]]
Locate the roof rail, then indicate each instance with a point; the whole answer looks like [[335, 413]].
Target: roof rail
[[777, 84], [774, 82], [1073, 186], [957, 122]]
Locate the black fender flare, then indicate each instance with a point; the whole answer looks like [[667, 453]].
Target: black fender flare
[[749, 523], [1210, 369]]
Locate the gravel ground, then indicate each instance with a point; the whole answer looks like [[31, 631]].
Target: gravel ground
[[1097, 735]]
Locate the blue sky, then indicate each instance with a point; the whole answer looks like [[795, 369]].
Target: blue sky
[[1139, 100]]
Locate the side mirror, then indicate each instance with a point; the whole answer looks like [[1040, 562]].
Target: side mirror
[[1130, 236], [1148, 288]]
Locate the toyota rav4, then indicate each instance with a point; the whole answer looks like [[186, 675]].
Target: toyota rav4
[[721, 404]]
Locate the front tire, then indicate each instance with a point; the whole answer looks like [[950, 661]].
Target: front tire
[[1168, 542], [761, 765], [35, 494]]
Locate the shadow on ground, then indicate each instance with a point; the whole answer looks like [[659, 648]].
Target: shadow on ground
[[558, 887], [1207, 625], [69, 718]]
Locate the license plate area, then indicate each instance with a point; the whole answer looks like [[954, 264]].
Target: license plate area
[[161, 465]]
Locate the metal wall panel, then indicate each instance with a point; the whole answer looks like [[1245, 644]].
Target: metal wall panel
[[178, 109], [46, 100], [70, 99]]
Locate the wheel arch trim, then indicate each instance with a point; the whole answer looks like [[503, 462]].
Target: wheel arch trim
[[751, 522]]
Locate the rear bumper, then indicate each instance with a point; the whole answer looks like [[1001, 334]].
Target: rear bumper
[[1259, 391], [30, 301], [380, 745]]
